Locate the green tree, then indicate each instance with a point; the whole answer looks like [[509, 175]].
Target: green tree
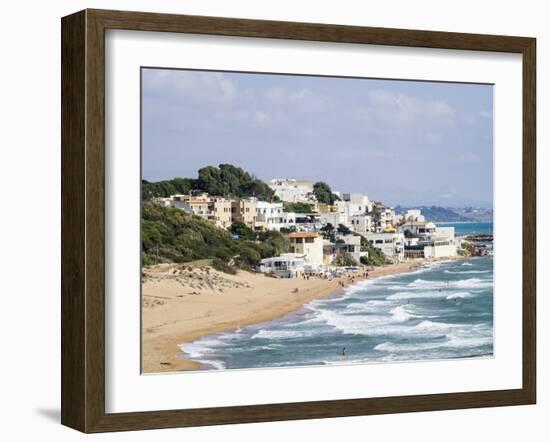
[[231, 181], [375, 256], [298, 207], [344, 259], [328, 231], [165, 188], [242, 230], [323, 193], [344, 230], [225, 180]]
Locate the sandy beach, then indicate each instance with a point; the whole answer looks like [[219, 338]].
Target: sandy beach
[[181, 303]]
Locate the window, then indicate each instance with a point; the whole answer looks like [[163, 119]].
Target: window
[[309, 240], [378, 241]]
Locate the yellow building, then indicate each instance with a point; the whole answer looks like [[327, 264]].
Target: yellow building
[[221, 212], [244, 210], [309, 244]]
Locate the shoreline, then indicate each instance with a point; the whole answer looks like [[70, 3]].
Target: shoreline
[[181, 304]]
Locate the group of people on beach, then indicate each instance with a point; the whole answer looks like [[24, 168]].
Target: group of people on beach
[[342, 283]]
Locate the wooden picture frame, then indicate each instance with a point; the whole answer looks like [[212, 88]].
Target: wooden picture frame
[[83, 220]]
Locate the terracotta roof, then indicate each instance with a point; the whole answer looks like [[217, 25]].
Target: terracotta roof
[[303, 235]]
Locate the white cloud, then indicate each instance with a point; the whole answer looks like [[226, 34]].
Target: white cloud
[[303, 100], [403, 109], [182, 85], [262, 118]]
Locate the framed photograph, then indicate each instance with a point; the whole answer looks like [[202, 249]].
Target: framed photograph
[[268, 220]]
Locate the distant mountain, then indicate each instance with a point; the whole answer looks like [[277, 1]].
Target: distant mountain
[[478, 214], [437, 213]]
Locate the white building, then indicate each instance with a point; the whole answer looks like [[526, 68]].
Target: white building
[[418, 228], [287, 265], [344, 244], [361, 223], [392, 244], [359, 200], [351, 209], [334, 218], [430, 241], [439, 249], [269, 215], [414, 215], [292, 190], [442, 243], [385, 217]]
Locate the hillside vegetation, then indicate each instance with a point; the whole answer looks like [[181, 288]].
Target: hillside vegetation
[[171, 235]]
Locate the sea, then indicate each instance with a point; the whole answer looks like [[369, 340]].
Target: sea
[[469, 228], [443, 310]]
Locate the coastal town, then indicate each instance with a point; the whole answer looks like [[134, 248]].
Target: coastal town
[[325, 236], [313, 221], [218, 262]]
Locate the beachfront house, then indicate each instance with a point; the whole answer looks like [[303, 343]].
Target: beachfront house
[[344, 244], [439, 249], [288, 265], [392, 244], [430, 241], [309, 244], [442, 243]]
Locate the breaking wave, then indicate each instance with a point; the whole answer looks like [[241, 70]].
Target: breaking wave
[[430, 313]]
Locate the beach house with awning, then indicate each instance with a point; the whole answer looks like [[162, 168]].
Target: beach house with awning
[[287, 265]]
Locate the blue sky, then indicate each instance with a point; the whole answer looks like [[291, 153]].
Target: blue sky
[[403, 142]]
